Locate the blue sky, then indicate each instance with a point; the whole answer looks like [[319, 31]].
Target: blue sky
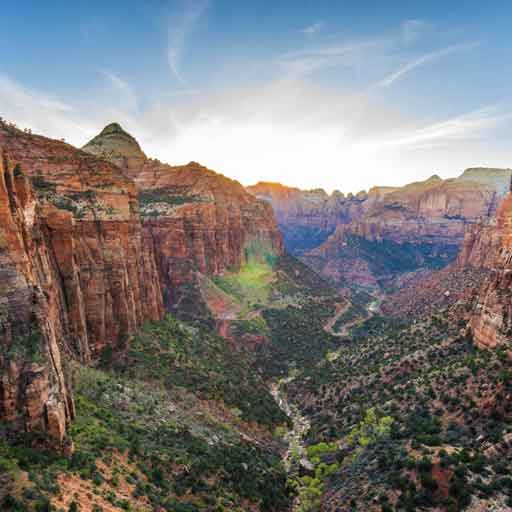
[[338, 94]]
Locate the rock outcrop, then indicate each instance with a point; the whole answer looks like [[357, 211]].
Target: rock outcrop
[[76, 277], [306, 217], [497, 179], [488, 245], [34, 389], [196, 220]]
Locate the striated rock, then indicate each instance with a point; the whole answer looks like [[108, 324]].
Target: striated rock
[[89, 213], [195, 219], [91, 248], [306, 217], [34, 389], [497, 179], [420, 224], [117, 146], [489, 245], [75, 277]]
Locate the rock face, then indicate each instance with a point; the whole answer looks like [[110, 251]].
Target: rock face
[[118, 146], [34, 390], [306, 217], [90, 250], [76, 277], [369, 238], [489, 246], [197, 221], [497, 179]]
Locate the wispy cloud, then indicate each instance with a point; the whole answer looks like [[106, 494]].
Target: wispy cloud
[[124, 90], [41, 112], [425, 59], [179, 30], [304, 62], [18, 95], [412, 29], [313, 29], [471, 125]]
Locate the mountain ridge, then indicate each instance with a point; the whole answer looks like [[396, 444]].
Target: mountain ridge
[[431, 214]]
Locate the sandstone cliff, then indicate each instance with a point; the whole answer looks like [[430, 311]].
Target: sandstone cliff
[[497, 179], [91, 249], [34, 389], [76, 277], [306, 217], [488, 245], [369, 238], [197, 221]]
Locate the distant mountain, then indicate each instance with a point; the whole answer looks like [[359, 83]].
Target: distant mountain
[[371, 238], [497, 179]]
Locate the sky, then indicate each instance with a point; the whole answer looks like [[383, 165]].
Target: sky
[[336, 94]]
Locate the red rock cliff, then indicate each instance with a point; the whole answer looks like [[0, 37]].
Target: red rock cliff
[[432, 214], [489, 245], [76, 276], [195, 219], [34, 389]]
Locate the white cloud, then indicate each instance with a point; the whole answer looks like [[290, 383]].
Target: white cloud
[[313, 29], [425, 59], [349, 54], [180, 28], [471, 125], [39, 111], [124, 90]]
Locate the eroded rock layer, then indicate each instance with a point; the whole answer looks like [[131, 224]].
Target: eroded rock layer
[[34, 390], [370, 238], [197, 220], [489, 246]]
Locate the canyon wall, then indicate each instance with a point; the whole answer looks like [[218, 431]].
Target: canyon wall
[[90, 249], [488, 245], [75, 275], [34, 388], [307, 217], [198, 221], [372, 237]]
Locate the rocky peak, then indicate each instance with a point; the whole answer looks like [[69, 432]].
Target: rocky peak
[[114, 128], [497, 179], [116, 145]]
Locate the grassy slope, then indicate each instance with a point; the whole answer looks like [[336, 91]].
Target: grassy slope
[[287, 304]]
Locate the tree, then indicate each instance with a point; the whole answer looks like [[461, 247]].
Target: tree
[[371, 429]]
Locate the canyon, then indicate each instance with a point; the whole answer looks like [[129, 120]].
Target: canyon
[[224, 347], [372, 238]]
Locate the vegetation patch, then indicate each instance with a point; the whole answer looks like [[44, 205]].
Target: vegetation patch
[[405, 403], [171, 196], [250, 284], [177, 354]]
